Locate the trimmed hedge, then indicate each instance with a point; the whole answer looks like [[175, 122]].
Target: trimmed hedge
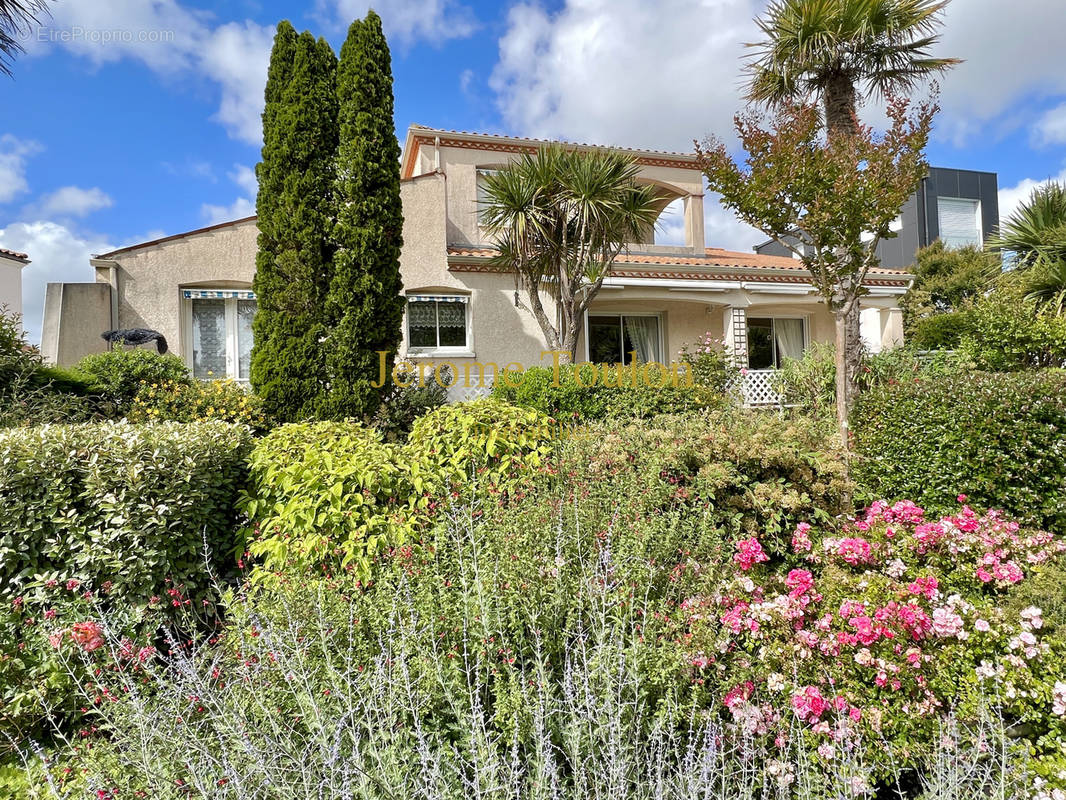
[[998, 438], [132, 505]]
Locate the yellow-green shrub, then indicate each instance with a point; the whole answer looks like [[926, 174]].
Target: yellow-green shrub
[[334, 493], [179, 401]]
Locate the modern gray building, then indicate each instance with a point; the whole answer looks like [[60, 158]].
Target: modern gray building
[[957, 206]]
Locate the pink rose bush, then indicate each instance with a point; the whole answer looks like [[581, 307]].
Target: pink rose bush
[[883, 626]]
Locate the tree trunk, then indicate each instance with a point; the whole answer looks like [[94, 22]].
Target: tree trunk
[[842, 385], [839, 102]]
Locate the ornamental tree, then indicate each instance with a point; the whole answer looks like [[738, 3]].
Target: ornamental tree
[[560, 218], [295, 218], [830, 201], [365, 303]]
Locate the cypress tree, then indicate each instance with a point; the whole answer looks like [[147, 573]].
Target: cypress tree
[[295, 218], [365, 303]]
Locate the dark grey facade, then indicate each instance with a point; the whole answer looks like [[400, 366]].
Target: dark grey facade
[[921, 214]]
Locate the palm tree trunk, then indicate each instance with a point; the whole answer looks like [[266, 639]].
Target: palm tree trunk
[[840, 105]]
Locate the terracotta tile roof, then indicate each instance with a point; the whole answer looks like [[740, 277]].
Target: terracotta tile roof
[[750, 263], [13, 254], [425, 129]]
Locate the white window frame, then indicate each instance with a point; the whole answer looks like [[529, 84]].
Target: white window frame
[[229, 298], [977, 218], [804, 318], [466, 351], [598, 313]]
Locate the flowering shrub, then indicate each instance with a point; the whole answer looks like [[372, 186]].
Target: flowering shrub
[[197, 401], [892, 622]]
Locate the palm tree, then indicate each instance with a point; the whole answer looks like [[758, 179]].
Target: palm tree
[[16, 18], [1045, 285], [1035, 233], [840, 51], [560, 218]]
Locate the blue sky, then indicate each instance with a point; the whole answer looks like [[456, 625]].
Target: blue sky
[[132, 119]]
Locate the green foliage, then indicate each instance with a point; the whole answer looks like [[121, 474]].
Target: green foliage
[[335, 494], [1005, 332], [940, 331], [404, 404], [810, 382], [365, 302], [295, 216], [998, 438], [32, 393], [560, 218], [1035, 233], [117, 375], [199, 401], [124, 509], [946, 280], [487, 442], [593, 392]]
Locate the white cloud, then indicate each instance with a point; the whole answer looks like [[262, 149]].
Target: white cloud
[[434, 21], [172, 41], [57, 253], [243, 206], [14, 153], [1009, 59], [237, 57], [1051, 127], [1013, 196], [625, 72], [69, 201]]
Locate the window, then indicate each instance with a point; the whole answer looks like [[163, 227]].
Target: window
[[959, 221], [482, 195], [219, 325], [437, 322], [773, 339], [615, 338]]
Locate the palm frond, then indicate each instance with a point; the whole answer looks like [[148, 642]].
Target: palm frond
[[1035, 232], [16, 18]]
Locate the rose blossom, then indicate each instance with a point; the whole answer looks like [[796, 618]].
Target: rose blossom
[[749, 553]]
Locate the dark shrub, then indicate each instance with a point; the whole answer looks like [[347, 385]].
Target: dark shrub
[[118, 374], [999, 438]]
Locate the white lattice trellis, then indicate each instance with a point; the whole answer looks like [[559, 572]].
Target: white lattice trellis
[[758, 388]]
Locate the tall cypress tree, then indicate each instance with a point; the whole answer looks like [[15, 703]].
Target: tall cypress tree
[[365, 303], [295, 216]]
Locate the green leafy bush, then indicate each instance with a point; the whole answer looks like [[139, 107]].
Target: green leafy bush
[[1005, 333], [998, 438], [325, 492], [810, 382], [335, 494], [117, 375], [404, 404], [599, 392], [127, 510], [940, 331]]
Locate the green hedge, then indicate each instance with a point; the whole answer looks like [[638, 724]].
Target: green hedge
[[131, 505], [564, 397], [1000, 439]]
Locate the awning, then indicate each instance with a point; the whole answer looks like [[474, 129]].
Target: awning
[[439, 298], [218, 294]]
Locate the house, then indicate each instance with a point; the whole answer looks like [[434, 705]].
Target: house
[[195, 287], [958, 206], [11, 264]]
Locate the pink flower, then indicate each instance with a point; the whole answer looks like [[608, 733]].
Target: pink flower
[[749, 553], [946, 622], [801, 541], [738, 694], [800, 581], [982, 626], [87, 635], [961, 498], [855, 551], [809, 704]]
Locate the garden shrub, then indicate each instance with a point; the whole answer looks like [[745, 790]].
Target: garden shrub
[[404, 404], [324, 492], [996, 437], [123, 510], [940, 331], [197, 401], [1005, 332], [117, 375], [892, 620], [335, 494]]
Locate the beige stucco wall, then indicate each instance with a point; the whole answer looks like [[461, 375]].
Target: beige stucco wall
[[75, 314], [150, 278], [11, 285]]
